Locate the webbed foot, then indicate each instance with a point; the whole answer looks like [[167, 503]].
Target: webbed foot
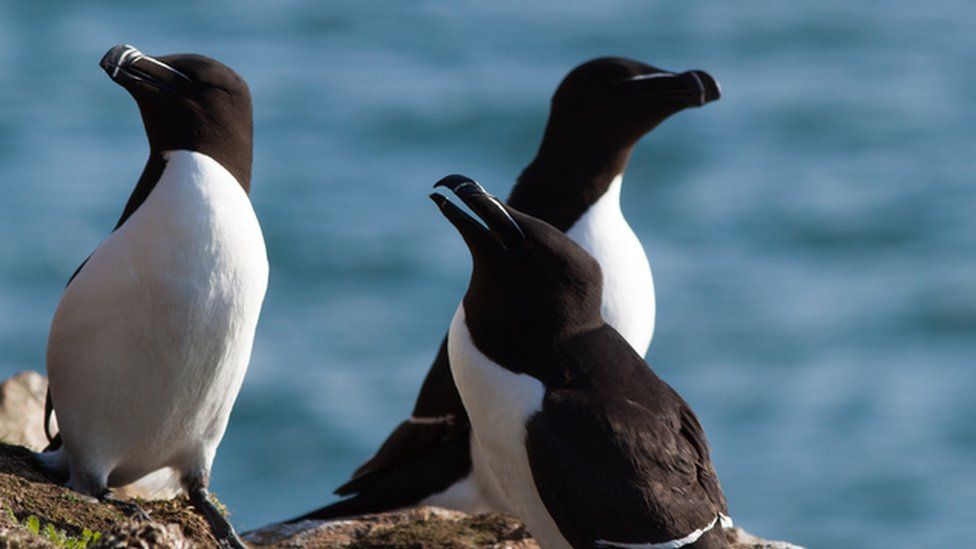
[[221, 527], [127, 507]]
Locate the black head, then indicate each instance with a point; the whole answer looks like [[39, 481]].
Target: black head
[[599, 112], [619, 100], [530, 283], [189, 102]]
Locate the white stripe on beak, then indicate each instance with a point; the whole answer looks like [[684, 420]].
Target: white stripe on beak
[[501, 207], [136, 55], [161, 64], [125, 55], [701, 86], [650, 76]]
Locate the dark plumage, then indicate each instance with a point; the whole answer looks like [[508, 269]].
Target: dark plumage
[[598, 113], [615, 454]]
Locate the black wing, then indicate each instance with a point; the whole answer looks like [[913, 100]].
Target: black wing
[[423, 456], [623, 461]]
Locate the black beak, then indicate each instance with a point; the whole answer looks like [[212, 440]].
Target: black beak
[[499, 226], [695, 88], [126, 65], [708, 86]]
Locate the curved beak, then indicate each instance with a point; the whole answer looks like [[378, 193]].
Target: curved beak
[[695, 87], [126, 65], [499, 227]]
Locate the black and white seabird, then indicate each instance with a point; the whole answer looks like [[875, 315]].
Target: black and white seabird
[[598, 114], [588, 445], [151, 340]]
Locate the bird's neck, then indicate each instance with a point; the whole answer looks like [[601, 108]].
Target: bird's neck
[[564, 181]]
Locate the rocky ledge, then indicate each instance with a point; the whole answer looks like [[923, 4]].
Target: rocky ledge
[[37, 512], [432, 527]]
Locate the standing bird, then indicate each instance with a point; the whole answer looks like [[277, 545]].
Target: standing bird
[[152, 337], [588, 445], [598, 113]]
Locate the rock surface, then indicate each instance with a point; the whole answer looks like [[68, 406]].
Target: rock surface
[[430, 527], [35, 511], [22, 410], [421, 527], [28, 494]]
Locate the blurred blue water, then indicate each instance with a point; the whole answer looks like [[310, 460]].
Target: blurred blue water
[[812, 234]]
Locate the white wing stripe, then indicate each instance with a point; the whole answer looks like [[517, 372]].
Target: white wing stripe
[[449, 419], [726, 522]]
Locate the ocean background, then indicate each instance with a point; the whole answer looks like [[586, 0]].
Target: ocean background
[[812, 234]]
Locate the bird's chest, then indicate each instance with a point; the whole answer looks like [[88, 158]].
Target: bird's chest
[[500, 403], [186, 273], [628, 286]]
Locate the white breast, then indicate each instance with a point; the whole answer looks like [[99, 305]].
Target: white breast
[[475, 494], [150, 343], [628, 286], [500, 403]]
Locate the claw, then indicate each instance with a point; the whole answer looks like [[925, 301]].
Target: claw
[[128, 508]]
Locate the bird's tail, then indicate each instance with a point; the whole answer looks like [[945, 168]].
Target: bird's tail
[[53, 441], [344, 508], [405, 484], [56, 462]]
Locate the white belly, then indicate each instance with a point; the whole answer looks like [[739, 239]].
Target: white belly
[[500, 403], [475, 494], [150, 343], [628, 286]]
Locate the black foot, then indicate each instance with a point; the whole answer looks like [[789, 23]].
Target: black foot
[[221, 527], [126, 507]]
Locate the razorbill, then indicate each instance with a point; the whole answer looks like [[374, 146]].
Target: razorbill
[[588, 445], [598, 113], [152, 337]]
